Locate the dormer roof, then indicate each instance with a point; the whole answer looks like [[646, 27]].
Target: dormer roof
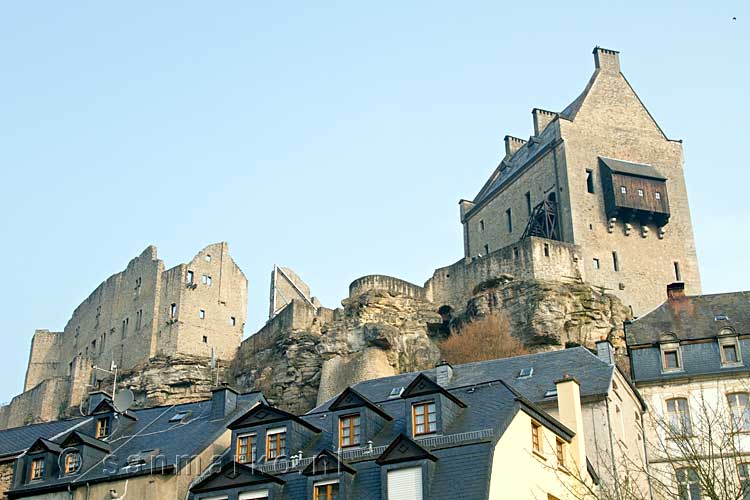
[[404, 449], [327, 463], [77, 438], [106, 406], [234, 475], [422, 385], [41, 445], [263, 414], [350, 399]]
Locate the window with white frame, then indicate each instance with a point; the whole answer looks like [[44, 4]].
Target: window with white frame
[[405, 484], [275, 443], [678, 416], [739, 405], [254, 495], [688, 484], [326, 490], [246, 451]]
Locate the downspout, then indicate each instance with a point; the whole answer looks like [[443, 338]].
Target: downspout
[[612, 449]]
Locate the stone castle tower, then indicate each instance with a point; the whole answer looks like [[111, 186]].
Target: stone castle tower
[[600, 175], [194, 309]]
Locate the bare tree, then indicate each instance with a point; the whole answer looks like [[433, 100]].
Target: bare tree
[[488, 337]]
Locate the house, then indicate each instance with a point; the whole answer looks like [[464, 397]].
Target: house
[[145, 453], [690, 359], [512, 428]]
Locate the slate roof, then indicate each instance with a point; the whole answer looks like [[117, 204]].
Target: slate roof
[[16, 440], [630, 168], [692, 318], [153, 435]]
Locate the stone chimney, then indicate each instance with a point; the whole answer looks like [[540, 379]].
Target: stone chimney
[[95, 398], [606, 60], [444, 373], [676, 290], [571, 416], [223, 402], [542, 118], [512, 144], [605, 351]]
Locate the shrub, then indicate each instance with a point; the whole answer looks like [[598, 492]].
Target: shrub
[[488, 337]]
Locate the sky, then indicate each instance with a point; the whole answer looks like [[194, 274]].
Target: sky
[[335, 138]]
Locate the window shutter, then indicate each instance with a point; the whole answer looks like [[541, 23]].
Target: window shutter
[[405, 484]]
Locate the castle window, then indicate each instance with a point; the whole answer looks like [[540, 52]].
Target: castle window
[[173, 311], [208, 257], [536, 437], [528, 202], [276, 443], [424, 418], [125, 327], [640, 193], [102, 428], [139, 319], [349, 430], [202, 314], [37, 468], [677, 273], [233, 321], [739, 405], [657, 195], [326, 490], [481, 225], [678, 416], [615, 261], [546, 249], [246, 449], [509, 219], [190, 277], [205, 339], [486, 249], [206, 280], [597, 264], [623, 190], [515, 252], [590, 181]]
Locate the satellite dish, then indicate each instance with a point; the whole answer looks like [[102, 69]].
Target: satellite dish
[[124, 400]]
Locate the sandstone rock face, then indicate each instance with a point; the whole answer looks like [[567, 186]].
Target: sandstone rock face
[[6, 477]]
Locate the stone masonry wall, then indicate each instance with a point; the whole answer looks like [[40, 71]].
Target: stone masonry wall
[[6, 478]]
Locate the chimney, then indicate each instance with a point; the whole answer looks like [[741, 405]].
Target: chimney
[[223, 402], [605, 351], [676, 290], [571, 416], [606, 60], [512, 144], [444, 373], [542, 118], [95, 398]]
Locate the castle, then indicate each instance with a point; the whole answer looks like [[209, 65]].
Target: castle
[[596, 195]]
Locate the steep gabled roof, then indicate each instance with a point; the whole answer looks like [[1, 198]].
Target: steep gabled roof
[[352, 399], [75, 437], [234, 475], [42, 444], [404, 449], [263, 414], [326, 463], [422, 385], [16, 440]]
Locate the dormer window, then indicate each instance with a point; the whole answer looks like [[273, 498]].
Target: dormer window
[[246, 449], [276, 443], [37, 468], [729, 348], [326, 490], [72, 462], [349, 430], [102, 428], [671, 355], [424, 418]]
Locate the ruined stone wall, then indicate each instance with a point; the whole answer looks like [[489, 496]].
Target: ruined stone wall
[[44, 357], [6, 478], [46, 401], [528, 259], [381, 282], [612, 122]]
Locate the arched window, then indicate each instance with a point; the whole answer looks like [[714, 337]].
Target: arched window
[[739, 405], [678, 416]]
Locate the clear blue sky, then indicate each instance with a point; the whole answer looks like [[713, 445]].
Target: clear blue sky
[[334, 138]]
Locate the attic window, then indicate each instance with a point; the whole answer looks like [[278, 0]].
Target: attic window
[[526, 373], [396, 392], [142, 457], [37, 468], [72, 462], [550, 394], [180, 416], [102, 428]]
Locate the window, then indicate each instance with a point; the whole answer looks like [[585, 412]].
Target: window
[[640, 193], [623, 190], [515, 252], [486, 249], [405, 484], [326, 490], [688, 484], [744, 472], [102, 428], [528, 203], [202, 314], [677, 273], [72, 462], [560, 452], [125, 327], [615, 261], [678, 416], [190, 277], [205, 339], [247, 449], [509, 219], [739, 405], [232, 321], [671, 358], [173, 311], [138, 319], [349, 431], [254, 495], [597, 264], [424, 418], [481, 225], [657, 195], [590, 181], [206, 279], [729, 350], [536, 437], [546, 249], [208, 257], [37, 468], [276, 443]]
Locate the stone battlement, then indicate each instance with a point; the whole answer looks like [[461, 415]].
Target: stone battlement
[[387, 283]]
